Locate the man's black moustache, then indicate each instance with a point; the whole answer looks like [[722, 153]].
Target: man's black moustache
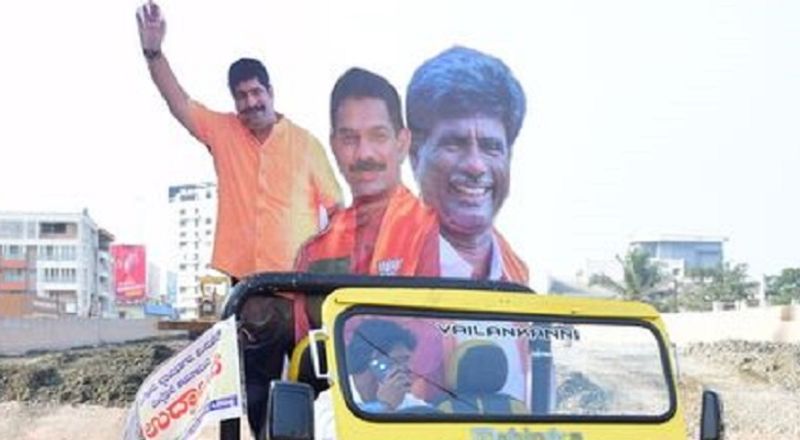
[[254, 109], [367, 165]]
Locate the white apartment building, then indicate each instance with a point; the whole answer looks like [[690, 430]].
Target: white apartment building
[[194, 216], [54, 264]]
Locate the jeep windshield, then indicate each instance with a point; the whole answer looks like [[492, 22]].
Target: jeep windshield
[[468, 366]]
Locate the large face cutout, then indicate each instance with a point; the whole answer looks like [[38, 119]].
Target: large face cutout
[[463, 169], [368, 149]]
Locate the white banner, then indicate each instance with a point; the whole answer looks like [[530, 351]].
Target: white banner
[[200, 384]]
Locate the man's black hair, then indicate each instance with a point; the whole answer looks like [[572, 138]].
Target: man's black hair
[[245, 69], [361, 83], [375, 335]]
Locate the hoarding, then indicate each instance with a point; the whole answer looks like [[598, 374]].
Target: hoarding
[[130, 275]]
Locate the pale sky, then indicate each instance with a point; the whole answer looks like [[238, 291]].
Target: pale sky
[[679, 117]]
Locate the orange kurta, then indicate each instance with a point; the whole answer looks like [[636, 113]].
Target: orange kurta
[[397, 235], [401, 232], [270, 194]]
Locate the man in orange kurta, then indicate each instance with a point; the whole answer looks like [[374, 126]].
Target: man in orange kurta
[[276, 188], [272, 194], [275, 183]]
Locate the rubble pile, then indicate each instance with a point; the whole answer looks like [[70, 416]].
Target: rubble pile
[[108, 376]]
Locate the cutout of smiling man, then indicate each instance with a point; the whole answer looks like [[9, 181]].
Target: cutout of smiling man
[[465, 109]]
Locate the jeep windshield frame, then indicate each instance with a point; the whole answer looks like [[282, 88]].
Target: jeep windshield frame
[[395, 313]]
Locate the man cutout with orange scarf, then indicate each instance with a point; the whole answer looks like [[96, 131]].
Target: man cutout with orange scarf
[[383, 231], [464, 109]]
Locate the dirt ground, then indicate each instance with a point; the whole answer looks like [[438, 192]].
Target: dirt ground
[[83, 393], [759, 384], [78, 394]]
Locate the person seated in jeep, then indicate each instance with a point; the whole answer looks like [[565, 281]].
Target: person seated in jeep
[[378, 361]]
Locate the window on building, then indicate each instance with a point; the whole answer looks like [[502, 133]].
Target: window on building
[[47, 253], [31, 226], [60, 275], [208, 194], [53, 228], [208, 221], [14, 251], [11, 229], [13, 275], [67, 275], [70, 253]]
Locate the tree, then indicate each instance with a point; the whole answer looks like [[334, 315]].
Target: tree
[[784, 288], [643, 280], [726, 283]]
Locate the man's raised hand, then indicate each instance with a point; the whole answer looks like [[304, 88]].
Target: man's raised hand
[[152, 26]]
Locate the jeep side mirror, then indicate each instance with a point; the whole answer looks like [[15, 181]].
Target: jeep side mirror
[[290, 412], [712, 426]]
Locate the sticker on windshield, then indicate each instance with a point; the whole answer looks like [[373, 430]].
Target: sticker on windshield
[[534, 332]]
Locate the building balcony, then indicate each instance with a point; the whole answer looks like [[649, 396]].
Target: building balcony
[[104, 240], [58, 284], [58, 230], [14, 286], [13, 263], [104, 263]]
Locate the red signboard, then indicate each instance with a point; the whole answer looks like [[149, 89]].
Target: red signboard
[[129, 273]]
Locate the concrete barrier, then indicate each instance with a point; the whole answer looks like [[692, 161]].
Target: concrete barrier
[[19, 336], [764, 324]]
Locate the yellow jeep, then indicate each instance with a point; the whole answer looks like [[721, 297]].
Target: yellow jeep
[[455, 359]]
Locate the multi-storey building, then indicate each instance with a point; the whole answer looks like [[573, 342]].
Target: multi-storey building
[[194, 215], [54, 264]]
